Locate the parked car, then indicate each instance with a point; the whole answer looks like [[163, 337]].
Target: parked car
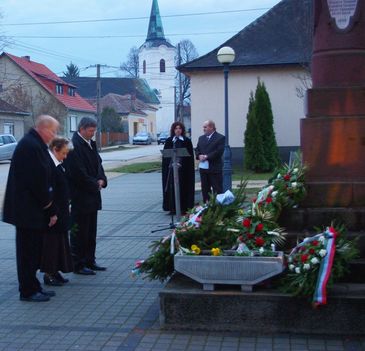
[[7, 146], [162, 138], [142, 138]]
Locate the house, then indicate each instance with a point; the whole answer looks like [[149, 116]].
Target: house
[[277, 49], [34, 88], [136, 116], [12, 120]]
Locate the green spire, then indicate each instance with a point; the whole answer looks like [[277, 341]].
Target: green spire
[[155, 29]]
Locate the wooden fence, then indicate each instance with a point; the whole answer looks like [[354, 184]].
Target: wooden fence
[[113, 138]]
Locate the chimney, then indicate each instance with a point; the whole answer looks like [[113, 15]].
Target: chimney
[[26, 58]]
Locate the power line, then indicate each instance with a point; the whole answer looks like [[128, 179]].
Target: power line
[[135, 18]]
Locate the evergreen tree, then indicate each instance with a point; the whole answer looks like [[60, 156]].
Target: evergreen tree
[[110, 120], [72, 71], [264, 117], [254, 155]]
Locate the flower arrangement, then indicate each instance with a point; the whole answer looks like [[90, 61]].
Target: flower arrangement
[[312, 264]]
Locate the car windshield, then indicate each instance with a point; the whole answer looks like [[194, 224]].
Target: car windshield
[[141, 134], [164, 135]]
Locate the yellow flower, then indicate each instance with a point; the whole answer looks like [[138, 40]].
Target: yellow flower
[[216, 251], [196, 249]]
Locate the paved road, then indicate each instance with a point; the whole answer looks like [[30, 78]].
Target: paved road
[[111, 311]]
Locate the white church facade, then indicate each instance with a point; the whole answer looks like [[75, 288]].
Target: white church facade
[[157, 67]]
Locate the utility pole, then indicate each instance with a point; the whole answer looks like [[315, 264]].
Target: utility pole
[[175, 107], [180, 118], [98, 114]]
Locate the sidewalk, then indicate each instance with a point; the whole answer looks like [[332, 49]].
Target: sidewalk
[[111, 311]]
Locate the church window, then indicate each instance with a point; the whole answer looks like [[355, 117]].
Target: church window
[[144, 66], [162, 65]]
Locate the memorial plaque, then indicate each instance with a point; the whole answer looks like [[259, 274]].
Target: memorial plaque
[[342, 11]]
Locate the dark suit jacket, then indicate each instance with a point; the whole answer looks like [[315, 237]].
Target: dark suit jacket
[[29, 188], [84, 169], [213, 148]]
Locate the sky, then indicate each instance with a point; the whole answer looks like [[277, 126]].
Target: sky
[[114, 27]]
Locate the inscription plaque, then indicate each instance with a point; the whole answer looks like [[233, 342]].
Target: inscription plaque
[[342, 11]]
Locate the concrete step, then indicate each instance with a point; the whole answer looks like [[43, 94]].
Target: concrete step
[[185, 306]]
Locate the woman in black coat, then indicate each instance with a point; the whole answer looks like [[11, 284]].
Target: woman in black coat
[[56, 254], [178, 139]]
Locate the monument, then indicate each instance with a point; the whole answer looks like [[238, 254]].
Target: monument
[[333, 132]]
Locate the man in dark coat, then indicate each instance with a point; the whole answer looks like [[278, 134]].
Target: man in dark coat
[[87, 178], [28, 204], [209, 152]]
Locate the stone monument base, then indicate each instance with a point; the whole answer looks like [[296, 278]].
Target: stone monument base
[[185, 306]]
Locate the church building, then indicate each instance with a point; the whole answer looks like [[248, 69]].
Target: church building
[[157, 67]]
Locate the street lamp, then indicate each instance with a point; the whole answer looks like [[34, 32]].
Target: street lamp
[[226, 56]]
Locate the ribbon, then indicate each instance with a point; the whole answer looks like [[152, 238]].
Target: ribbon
[[320, 293]]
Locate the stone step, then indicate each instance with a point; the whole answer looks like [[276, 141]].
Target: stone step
[[185, 306]]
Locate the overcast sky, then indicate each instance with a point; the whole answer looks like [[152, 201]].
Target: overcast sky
[[206, 30]]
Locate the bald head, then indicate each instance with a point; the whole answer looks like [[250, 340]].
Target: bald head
[[47, 127], [208, 127]]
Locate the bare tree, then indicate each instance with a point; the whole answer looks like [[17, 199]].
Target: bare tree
[[188, 53], [131, 66]]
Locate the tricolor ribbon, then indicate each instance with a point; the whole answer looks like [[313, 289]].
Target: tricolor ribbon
[[320, 293]]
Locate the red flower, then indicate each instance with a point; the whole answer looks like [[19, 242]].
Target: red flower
[[240, 238], [254, 199], [259, 227], [314, 243], [268, 200], [304, 258], [198, 219], [312, 251], [246, 222], [287, 177], [250, 236], [260, 241]]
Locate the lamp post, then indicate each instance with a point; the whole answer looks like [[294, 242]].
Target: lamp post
[[226, 56]]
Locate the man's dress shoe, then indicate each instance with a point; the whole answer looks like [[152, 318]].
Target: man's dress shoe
[[51, 280], [95, 267], [84, 271], [61, 278], [49, 293], [37, 297]]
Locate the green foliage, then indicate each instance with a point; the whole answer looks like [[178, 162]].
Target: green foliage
[[72, 71], [261, 152], [110, 120]]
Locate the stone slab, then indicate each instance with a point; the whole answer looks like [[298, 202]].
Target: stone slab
[[185, 306]]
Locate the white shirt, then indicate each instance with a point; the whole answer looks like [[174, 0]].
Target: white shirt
[[54, 159], [88, 141]]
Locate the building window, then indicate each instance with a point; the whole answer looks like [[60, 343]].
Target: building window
[[1, 88], [144, 66], [59, 89], [73, 123], [71, 91], [162, 66], [9, 128]]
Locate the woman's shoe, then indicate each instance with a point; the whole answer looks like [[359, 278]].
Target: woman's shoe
[[58, 276], [51, 280]]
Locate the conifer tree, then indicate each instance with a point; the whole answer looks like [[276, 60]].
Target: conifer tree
[[265, 120], [254, 155]]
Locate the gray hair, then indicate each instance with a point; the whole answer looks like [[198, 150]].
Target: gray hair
[[87, 122]]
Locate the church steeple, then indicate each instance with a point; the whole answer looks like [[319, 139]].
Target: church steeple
[[155, 28]]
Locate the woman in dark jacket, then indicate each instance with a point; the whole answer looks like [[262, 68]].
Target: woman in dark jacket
[[56, 254], [178, 139]]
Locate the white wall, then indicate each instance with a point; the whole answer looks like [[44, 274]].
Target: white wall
[[207, 102]]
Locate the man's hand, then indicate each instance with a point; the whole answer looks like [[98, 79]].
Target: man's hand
[[101, 183], [52, 221]]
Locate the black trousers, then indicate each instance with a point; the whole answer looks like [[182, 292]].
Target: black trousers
[[211, 182], [29, 243], [83, 238]]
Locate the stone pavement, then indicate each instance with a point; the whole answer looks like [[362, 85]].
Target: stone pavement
[[111, 311]]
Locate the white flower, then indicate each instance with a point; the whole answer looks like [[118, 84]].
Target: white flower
[[274, 193], [314, 260], [322, 252], [290, 259], [322, 239], [306, 266], [294, 184], [295, 170], [271, 188], [261, 250], [278, 176], [291, 267], [297, 270]]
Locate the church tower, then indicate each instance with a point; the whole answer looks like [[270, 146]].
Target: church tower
[[157, 66]]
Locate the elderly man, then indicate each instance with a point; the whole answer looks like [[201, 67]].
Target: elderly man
[[87, 178], [209, 152], [28, 204]]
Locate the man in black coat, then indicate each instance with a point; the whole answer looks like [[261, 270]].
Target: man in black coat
[[87, 178], [28, 204], [209, 152]]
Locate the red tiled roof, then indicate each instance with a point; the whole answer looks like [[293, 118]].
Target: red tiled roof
[[46, 78]]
